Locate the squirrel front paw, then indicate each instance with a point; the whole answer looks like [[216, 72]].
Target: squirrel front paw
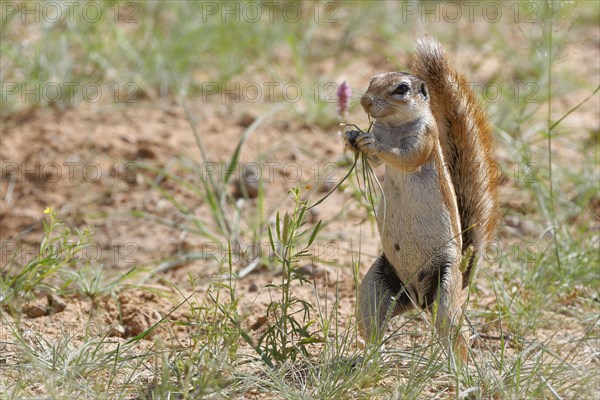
[[358, 141], [365, 143], [350, 140]]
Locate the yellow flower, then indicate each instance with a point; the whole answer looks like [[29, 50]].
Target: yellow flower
[[48, 210]]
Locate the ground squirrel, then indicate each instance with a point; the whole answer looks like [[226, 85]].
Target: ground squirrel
[[439, 203]]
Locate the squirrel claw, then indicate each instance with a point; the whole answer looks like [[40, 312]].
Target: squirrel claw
[[350, 139], [365, 143]]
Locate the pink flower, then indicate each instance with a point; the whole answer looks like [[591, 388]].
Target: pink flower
[[343, 94]]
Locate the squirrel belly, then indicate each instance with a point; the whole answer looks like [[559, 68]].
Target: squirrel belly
[[419, 226]]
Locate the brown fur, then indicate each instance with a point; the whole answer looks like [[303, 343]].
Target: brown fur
[[447, 194]]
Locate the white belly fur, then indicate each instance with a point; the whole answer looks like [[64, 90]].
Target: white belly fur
[[415, 221]]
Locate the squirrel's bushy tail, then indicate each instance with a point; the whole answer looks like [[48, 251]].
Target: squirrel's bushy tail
[[466, 139]]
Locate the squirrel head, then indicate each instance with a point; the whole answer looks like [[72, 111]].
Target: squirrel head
[[396, 98]]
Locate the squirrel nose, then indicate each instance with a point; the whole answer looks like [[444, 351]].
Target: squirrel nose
[[366, 101]]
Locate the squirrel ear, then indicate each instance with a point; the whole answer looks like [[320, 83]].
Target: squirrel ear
[[424, 90]]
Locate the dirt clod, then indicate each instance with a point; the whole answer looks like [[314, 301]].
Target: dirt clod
[[55, 304], [35, 310]]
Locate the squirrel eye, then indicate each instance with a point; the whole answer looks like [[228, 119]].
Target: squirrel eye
[[401, 89]]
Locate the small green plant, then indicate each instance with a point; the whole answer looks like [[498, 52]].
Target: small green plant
[[286, 335], [60, 266], [60, 250], [207, 364]]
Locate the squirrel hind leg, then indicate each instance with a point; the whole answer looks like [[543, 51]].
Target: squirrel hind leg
[[381, 297], [448, 320]]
